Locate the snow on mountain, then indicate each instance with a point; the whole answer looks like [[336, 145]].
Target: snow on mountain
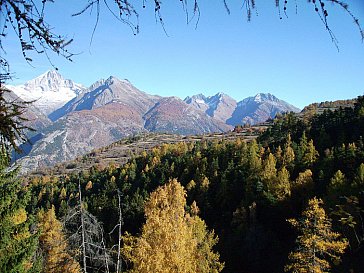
[[35, 119], [258, 109], [198, 101], [172, 115], [251, 110], [49, 91], [219, 106], [260, 98]]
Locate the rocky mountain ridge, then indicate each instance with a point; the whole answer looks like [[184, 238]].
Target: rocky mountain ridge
[[259, 108], [112, 109], [104, 92], [219, 106], [252, 110]]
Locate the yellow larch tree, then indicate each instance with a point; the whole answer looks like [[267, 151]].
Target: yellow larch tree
[[337, 186], [282, 188], [317, 244], [269, 168], [288, 153], [310, 155], [304, 182], [303, 187], [54, 245], [171, 241]]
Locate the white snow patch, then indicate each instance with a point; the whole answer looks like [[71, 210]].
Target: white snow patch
[[50, 138], [258, 98], [199, 101]]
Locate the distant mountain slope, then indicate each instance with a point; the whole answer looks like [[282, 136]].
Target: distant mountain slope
[[108, 91], [108, 111], [49, 91], [259, 108], [36, 119], [219, 106], [251, 110], [80, 132], [175, 116]]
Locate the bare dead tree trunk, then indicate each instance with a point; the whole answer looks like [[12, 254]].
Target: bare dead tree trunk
[[86, 237], [103, 246], [118, 226], [82, 228], [119, 233]]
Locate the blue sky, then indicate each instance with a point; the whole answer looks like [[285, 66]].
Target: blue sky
[[292, 58]]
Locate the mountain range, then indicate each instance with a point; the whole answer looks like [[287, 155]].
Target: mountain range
[[71, 120]]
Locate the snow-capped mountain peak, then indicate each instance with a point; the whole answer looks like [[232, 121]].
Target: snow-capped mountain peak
[[49, 91], [259, 108], [52, 81], [258, 97], [219, 106], [199, 98], [213, 101], [219, 94]]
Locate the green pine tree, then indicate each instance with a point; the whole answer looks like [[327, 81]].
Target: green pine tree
[[17, 242]]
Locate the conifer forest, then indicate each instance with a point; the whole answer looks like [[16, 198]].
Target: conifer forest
[[289, 201]]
